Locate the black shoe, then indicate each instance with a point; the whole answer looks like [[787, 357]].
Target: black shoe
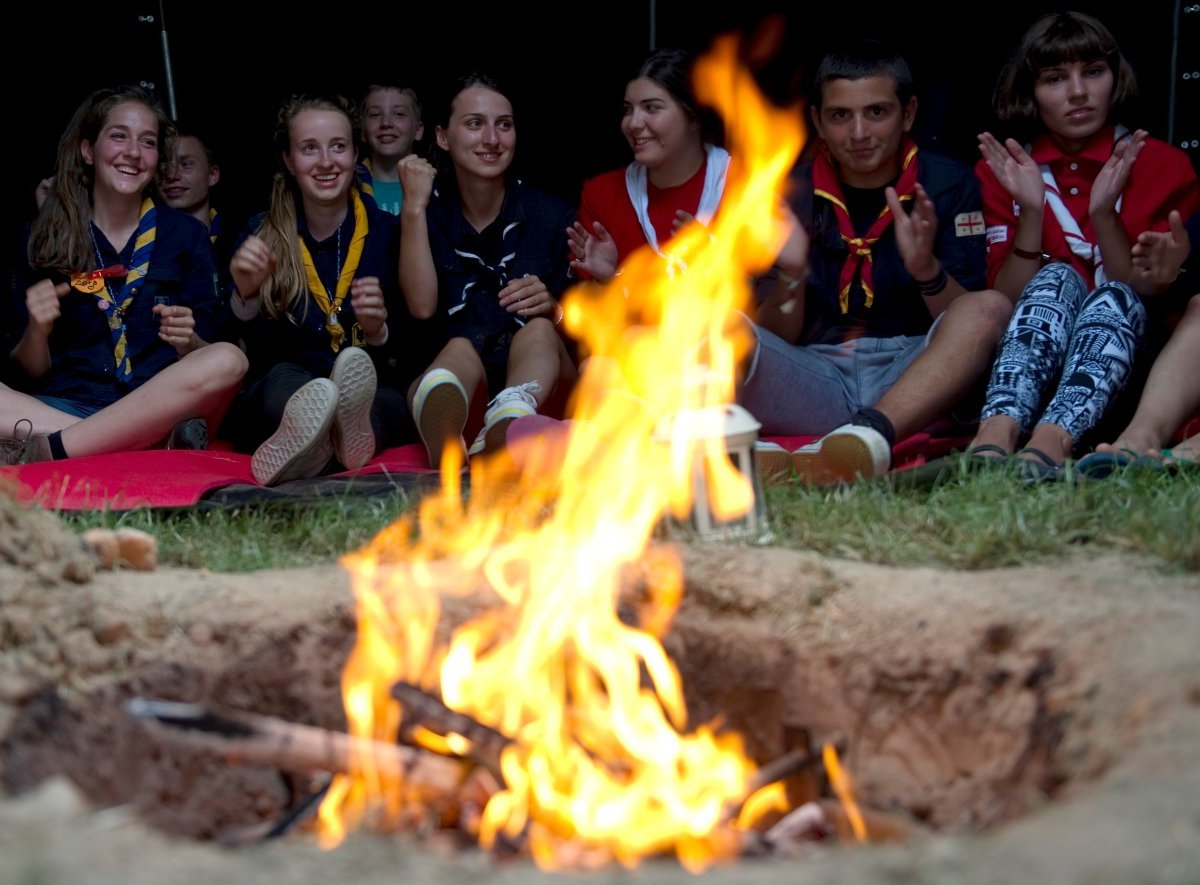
[[191, 433]]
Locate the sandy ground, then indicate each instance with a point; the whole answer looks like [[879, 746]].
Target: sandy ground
[[1034, 724]]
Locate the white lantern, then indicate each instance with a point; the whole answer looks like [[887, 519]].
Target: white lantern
[[739, 431]]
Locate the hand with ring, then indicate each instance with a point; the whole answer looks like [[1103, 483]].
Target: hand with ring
[[527, 296]]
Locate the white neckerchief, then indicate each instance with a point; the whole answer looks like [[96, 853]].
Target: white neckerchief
[[636, 178], [1089, 252]]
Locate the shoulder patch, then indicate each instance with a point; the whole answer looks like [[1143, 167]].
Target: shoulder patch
[[968, 224], [997, 234]]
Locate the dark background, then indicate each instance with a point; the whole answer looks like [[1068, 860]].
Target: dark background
[[233, 64]]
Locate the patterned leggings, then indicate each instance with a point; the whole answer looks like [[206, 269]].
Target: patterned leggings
[[1059, 330]]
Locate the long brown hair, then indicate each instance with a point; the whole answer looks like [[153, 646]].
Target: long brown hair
[[280, 229], [61, 237]]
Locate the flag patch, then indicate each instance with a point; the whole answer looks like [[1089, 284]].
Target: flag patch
[[968, 224]]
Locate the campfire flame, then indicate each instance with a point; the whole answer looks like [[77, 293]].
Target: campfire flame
[[601, 765]]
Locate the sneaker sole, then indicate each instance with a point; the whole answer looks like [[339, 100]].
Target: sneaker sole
[[353, 436], [301, 447], [841, 458], [494, 436], [773, 467], [441, 419]]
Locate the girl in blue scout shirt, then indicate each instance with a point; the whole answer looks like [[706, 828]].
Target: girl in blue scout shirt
[[316, 285], [485, 252], [108, 322]]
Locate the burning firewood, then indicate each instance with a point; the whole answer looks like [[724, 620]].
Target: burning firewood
[[825, 820], [425, 710], [263, 740]]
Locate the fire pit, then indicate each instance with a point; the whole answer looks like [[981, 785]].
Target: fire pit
[[1039, 706]]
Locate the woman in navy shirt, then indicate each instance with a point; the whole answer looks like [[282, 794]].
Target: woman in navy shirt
[[484, 252], [315, 286], [109, 321]]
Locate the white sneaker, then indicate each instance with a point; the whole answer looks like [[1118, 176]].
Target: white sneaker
[[302, 445], [510, 404], [353, 435], [440, 411], [843, 455]]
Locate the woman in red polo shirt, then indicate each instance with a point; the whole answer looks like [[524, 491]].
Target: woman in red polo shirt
[[1063, 207], [677, 173]]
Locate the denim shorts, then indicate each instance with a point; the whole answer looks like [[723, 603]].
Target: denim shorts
[[67, 406], [809, 390]]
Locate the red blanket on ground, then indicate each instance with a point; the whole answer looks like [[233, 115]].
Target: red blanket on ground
[[176, 478], [161, 477]]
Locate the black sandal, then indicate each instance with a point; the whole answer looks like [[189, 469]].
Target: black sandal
[[1043, 469], [983, 451]]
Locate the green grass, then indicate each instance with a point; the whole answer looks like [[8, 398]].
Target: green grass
[[248, 539], [989, 519], [993, 519]]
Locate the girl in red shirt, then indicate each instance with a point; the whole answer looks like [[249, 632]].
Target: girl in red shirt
[[1062, 212], [677, 174]]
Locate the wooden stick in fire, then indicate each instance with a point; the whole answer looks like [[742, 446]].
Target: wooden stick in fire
[[783, 767], [264, 740], [424, 709]]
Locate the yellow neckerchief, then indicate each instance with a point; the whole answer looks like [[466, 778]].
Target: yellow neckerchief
[[317, 289], [115, 306]]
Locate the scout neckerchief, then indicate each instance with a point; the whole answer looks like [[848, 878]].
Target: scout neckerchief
[[489, 279], [115, 306], [345, 274], [636, 185], [860, 261], [366, 178], [1090, 263], [214, 226]]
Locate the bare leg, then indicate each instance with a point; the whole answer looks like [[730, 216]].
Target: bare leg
[[19, 407], [200, 385], [459, 357], [1172, 392], [538, 354], [959, 353]]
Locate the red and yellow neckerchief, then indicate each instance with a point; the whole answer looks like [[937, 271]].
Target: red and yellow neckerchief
[[860, 261]]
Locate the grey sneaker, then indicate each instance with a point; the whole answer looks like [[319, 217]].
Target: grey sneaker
[[24, 446], [303, 444], [353, 436], [440, 411]]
